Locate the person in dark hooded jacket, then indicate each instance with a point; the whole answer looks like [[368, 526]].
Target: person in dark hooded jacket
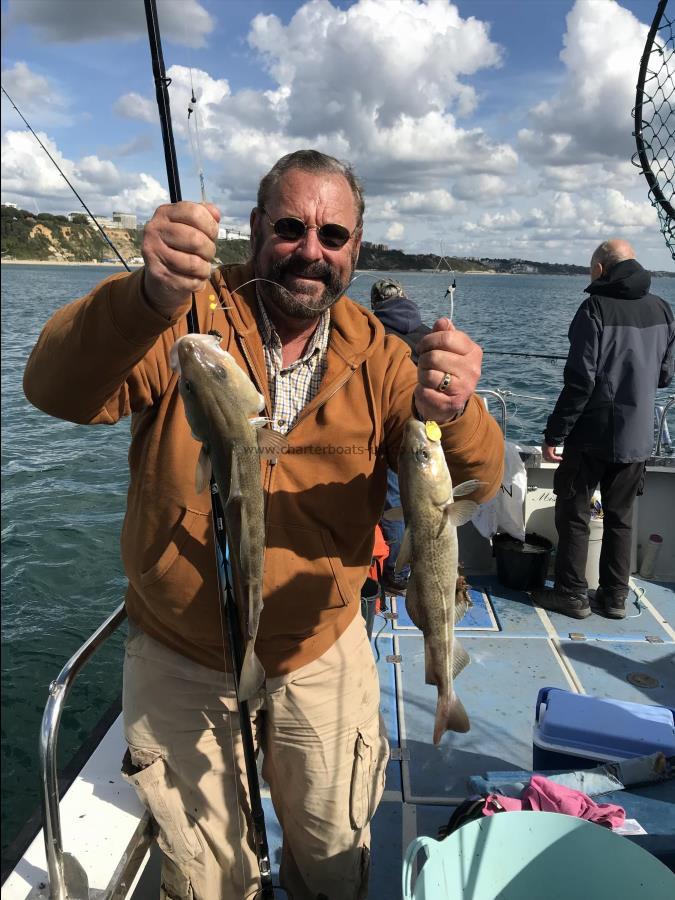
[[621, 350], [400, 316]]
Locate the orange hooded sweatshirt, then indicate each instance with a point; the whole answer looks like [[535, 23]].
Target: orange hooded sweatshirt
[[106, 356]]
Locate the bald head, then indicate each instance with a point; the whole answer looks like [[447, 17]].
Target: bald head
[[608, 254]]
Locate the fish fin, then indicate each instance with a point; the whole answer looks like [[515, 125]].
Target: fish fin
[[459, 513], [450, 716], [467, 487], [203, 473], [461, 609], [460, 658], [271, 443], [235, 488], [411, 603], [404, 553], [395, 514], [252, 675], [259, 421]]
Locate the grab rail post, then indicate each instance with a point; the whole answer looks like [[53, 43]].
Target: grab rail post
[[57, 861], [662, 424], [500, 397]]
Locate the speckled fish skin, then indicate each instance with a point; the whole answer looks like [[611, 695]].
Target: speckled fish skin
[[220, 404], [431, 547]]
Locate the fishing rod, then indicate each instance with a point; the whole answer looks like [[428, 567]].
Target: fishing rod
[[62, 174], [259, 830], [515, 353]]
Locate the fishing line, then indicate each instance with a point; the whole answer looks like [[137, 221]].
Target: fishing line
[[195, 143], [636, 602], [62, 174], [384, 625]]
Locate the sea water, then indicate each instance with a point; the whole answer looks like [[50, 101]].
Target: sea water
[[64, 487]]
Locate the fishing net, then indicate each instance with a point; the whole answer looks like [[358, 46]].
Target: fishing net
[[655, 122]]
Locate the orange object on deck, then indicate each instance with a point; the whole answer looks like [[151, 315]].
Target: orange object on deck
[[380, 553]]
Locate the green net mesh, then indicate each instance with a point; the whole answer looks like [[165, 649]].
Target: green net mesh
[[655, 121]]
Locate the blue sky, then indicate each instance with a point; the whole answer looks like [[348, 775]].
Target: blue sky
[[470, 130]]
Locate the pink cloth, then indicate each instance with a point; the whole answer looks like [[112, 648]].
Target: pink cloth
[[544, 795]]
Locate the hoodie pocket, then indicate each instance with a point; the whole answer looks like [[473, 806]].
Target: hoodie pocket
[[303, 575], [175, 545]]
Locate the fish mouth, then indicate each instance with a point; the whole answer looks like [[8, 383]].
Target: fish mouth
[[192, 345]]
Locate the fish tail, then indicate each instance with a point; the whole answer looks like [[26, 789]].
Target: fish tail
[[450, 716], [252, 674]]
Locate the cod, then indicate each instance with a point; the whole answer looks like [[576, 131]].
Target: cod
[[429, 546], [223, 410]]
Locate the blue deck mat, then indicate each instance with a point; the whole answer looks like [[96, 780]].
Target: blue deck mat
[[499, 691], [514, 610], [386, 673], [478, 617], [514, 614], [386, 848], [637, 626], [603, 668]]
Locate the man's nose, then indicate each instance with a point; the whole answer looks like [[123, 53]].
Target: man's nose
[[309, 245]]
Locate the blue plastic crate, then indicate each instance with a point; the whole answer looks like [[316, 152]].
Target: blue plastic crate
[[577, 731]]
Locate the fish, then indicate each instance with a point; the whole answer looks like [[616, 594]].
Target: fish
[[223, 407], [429, 546]]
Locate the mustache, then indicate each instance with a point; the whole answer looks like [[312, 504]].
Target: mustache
[[290, 265]]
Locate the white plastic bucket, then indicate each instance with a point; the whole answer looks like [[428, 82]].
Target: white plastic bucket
[[594, 548]]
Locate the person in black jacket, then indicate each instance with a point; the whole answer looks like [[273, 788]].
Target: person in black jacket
[[621, 350], [400, 316]]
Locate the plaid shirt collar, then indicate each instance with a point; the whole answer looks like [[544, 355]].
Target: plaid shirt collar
[[318, 343]]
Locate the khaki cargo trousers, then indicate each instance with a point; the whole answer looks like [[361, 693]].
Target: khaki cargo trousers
[[324, 756]]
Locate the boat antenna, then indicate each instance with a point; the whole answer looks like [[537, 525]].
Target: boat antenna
[[70, 185], [260, 842]]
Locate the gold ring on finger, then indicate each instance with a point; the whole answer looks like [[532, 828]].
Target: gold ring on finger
[[445, 383]]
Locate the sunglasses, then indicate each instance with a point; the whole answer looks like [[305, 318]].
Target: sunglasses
[[331, 236]]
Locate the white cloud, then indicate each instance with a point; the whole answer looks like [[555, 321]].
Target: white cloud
[[395, 231], [27, 173], [72, 21], [589, 118], [432, 203], [35, 95], [133, 106]]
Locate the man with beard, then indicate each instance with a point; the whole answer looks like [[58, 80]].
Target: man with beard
[[341, 392]]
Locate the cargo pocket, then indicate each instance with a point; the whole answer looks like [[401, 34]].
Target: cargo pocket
[[178, 837], [371, 753]]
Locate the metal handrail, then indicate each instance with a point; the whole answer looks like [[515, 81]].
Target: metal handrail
[[67, 879], [500, 396], [662, 424]]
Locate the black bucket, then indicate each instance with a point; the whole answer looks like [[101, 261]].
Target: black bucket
[[370, 594], [522, 564]]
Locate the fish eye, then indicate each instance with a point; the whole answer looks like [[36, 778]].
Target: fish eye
[[422, 454]]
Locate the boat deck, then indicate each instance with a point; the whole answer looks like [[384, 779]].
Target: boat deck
[[515, 649]]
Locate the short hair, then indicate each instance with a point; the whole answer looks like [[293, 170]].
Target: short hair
[[316, 162], [608, 254]]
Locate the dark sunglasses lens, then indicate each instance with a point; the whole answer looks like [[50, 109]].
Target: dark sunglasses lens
[[289, 229], [333, 236]]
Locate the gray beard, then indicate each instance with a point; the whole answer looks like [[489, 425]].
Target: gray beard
[[272, 291]]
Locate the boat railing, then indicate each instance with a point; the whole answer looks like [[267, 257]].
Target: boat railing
[[501, 397], [67, 878], [662, 424]]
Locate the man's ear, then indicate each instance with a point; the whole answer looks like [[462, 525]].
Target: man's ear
[[253, 223]]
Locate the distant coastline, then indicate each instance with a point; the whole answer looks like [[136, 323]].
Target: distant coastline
[[64, 262]]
